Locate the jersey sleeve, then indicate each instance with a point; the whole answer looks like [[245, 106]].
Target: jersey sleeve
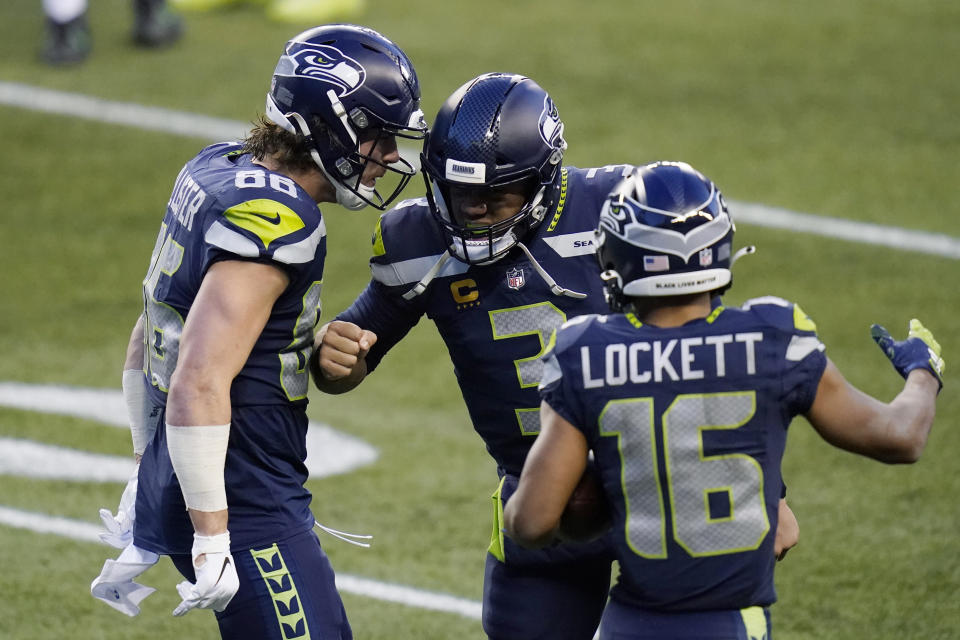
[[387, 314], [397, 263], [285, 232], [804, 355], [408, 250]]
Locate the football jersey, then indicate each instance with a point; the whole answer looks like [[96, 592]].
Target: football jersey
[[225, 207], [688, 427], [495, 319]]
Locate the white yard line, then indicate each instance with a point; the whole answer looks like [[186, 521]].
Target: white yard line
[[130, 114], [935, 244], [212, 129], [328, 452], [399, 594]]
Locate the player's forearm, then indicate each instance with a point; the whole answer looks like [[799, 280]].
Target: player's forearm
[[208, 523], [527, 525], [135, 392], [133, 359], [909, 417], [197, 398], [198, 455], [198, 418]]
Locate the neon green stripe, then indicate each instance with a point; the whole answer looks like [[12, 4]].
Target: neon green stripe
[[286, 601], [378, 248], [801, 320], [267, 219], [562, 201], [496, 537], [754, 622], [551, 343], [714, 314]]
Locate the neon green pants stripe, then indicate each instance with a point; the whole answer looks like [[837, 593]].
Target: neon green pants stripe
[[286, 601]]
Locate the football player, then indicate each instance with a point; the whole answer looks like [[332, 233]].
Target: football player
[[499, 254], [686, 407], [231, 296]]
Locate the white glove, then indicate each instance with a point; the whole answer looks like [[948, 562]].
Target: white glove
[[119, 527], [115, 585], [217, 580]]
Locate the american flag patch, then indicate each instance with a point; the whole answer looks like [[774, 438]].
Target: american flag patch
[[656, 263]]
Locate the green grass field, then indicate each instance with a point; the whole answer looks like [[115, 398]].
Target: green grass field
[[840, 109]]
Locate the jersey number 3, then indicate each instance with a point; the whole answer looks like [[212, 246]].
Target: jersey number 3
[[541, 320]]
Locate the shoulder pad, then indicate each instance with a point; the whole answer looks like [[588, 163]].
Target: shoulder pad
[[610, 174], [266, 227], [570, 331], [227, 147], [407, 244], [781, 313], [568, 229], [397, 228]]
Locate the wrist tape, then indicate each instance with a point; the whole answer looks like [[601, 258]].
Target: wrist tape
[[219, 543], [135, 397], [198, 455]]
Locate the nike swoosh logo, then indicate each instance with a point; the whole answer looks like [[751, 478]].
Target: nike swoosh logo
[[274, 219]]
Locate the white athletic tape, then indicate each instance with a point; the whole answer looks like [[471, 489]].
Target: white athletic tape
[[135, 396], [198, 454], [219, 543]]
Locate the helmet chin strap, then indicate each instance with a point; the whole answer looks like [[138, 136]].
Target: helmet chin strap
[[555, 289], [346, 198]]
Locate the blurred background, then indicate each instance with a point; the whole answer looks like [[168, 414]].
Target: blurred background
[[846, 111]]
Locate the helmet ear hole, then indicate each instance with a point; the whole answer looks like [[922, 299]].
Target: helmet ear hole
[[613, 290]]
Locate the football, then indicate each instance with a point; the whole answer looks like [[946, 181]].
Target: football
[[587, 514]]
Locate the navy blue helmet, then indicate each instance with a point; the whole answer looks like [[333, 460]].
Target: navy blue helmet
[[498, 129], [664, 231], [340, 85]]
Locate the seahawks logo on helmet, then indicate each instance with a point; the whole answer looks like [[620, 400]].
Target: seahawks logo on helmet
[[616, 214], [325, 63], [550, 126]]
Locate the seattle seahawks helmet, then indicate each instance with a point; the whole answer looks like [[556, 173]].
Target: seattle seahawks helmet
[[340, 85], [664, 231], [498, 129]]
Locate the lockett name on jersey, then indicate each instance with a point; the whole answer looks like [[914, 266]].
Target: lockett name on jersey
[[676, 359]]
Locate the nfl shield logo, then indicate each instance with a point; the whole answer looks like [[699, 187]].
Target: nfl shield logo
[[706, 257], [515, 278]]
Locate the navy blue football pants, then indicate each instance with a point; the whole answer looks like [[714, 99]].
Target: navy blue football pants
[[287, 592], [559, 601], [623, 622]]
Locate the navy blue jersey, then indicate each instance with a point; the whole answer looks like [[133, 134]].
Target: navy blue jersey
[[688, 427], [495, 319], [224, 207]]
